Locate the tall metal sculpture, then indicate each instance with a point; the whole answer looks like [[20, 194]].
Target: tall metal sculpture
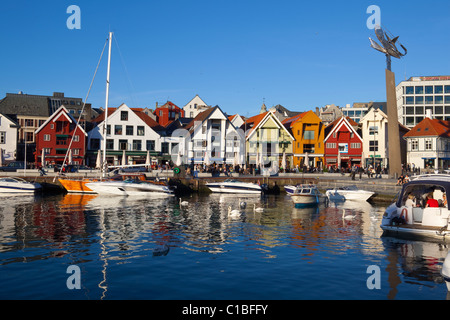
[[389, 48]]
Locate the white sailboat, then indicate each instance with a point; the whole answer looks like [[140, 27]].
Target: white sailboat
[[112, 186]]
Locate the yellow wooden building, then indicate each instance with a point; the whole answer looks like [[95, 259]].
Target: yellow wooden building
[[308, 132]]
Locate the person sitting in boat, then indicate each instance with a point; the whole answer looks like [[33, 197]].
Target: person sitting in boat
[[406, 180], [410, 202], [444, 200], [431, 202]]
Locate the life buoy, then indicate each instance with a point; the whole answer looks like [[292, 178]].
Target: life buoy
[[404, 214], [176, 170]]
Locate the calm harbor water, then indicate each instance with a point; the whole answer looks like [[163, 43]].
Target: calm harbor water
[[140, 248]]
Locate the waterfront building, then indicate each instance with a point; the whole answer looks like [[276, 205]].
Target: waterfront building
[[268, 141], [419, 95], [60, 137], [194, 107], [129, 131], [359, 109], [212, 138], [31, 111], [428, 144], [8, 138], [343, 144], [329, 113], [374, 132], [281, 112], [167, 113], [308, 132]]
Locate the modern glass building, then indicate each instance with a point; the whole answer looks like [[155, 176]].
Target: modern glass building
[[419, 96]]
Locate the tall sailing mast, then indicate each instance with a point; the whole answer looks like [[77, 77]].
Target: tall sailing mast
[[105, 122]]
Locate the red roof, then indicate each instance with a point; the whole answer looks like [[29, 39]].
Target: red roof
[[430, 127]]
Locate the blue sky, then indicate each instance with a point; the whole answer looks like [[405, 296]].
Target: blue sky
[[233, 54]]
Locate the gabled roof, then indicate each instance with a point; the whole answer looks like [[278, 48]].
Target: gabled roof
[[62, 111], [290, 121], [257, 121], [138, 111], [337, 124], [430, 127], [202, 116]]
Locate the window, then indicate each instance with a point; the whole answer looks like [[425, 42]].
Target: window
[[165, 147], [29, 136], [409, 90], [29, 123], [2, 137], [109, 144], [76, 138], [419, 100], [140, 130], [308, 135], [409, 100], [129, 130], [419, 110], [428, 99], [308, 148], [124, 115], [419, 90], [409, 121], [373, 145], [123, 144], [76, 152], [438, 89], [150, 145], [47, 150], [46, 137], [447, 89], [137, 145], [414, 145], [429, 89], [373, 130], [331, 145], [447, 99], [409, 110], [355, 145], [428, 144], [439, 99], [118, 129], [438, 109], [108, 129]]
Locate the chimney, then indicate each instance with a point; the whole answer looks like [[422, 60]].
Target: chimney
[[428, 113]]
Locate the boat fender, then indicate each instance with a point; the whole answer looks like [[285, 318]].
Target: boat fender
[[176, 170]]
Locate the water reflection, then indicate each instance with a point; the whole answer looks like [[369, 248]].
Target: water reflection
[[118, 231]]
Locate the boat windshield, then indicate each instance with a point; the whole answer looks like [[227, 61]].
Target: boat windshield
[[306, 190], [420, 193]]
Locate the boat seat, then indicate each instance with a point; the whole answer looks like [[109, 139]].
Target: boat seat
[[417, 214], [435, 217]]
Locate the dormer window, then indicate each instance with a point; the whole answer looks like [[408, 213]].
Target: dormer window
[[124, 115]]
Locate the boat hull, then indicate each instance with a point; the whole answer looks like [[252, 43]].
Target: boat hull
[[234, 187], [343, 195], [76, 186], [17, 185], [127, 188]]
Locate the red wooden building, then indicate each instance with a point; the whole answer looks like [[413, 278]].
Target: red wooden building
[[343, 144], [53, 139], [167, 113]]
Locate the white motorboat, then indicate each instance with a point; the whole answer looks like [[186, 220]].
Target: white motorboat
[[18, 185], [234, 186], [128, 187], [348, 193], [307, 195], [413, 214]]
